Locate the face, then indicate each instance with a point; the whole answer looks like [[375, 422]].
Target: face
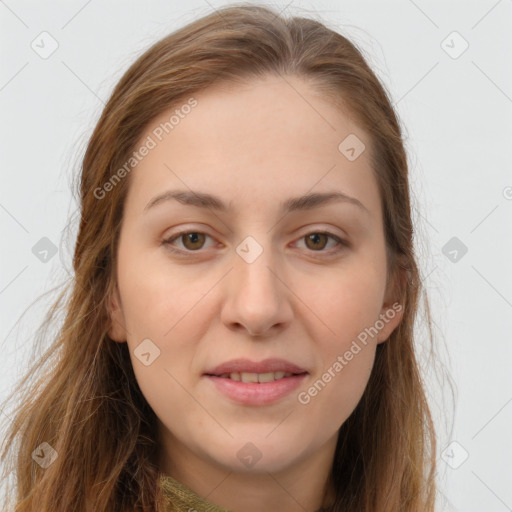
[[261, 278]]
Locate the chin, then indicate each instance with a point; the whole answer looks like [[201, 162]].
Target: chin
[[256, 455]]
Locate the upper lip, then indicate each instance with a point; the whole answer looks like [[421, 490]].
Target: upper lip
[[248, 366]]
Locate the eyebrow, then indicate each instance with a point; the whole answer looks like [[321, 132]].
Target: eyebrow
[[204, 200]]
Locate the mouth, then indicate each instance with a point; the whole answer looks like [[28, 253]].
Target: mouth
[[259, 378], [245, 370], [252, 383]]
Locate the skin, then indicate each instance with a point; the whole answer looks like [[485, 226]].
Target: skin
[[253, 146]]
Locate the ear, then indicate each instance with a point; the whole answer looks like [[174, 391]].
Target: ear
[[117, 330], [392, 310]]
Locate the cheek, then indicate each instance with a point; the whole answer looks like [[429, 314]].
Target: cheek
[[347, 302], [348, 307], [155, 311], [160, 306], [157, 297]]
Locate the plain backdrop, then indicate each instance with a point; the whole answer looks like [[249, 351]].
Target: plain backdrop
[[447, 68]]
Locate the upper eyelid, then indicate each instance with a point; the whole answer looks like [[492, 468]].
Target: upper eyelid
[[178, 235], [329, 230]]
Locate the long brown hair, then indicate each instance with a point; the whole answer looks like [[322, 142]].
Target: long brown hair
[[85, 402]]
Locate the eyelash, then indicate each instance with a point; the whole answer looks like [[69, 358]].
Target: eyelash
[[342, 244]]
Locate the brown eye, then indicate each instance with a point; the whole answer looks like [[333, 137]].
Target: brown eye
[[193, 241], [316, 241], [190, 241]]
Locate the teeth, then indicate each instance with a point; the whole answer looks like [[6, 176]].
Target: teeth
[[249, 377], [266, 377], [256, 377]]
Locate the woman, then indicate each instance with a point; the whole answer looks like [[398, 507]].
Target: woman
[[239, 334]]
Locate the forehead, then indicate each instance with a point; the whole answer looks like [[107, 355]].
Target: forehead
[[262, 140]]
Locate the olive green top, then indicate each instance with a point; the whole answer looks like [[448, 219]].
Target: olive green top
[[179, 498]]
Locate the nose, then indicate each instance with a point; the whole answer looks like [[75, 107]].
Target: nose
[[257, 298]]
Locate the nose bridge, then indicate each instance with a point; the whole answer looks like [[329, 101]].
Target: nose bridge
[[258, 300]]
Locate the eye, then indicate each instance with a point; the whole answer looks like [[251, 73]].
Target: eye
[[191, 240], [316, 241]]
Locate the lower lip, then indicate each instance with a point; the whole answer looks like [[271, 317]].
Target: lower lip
[[254, 393]]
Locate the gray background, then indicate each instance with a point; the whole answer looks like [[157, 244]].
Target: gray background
[[456, 108]]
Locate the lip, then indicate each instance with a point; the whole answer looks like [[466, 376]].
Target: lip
[[253, 393], [246, 365]]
